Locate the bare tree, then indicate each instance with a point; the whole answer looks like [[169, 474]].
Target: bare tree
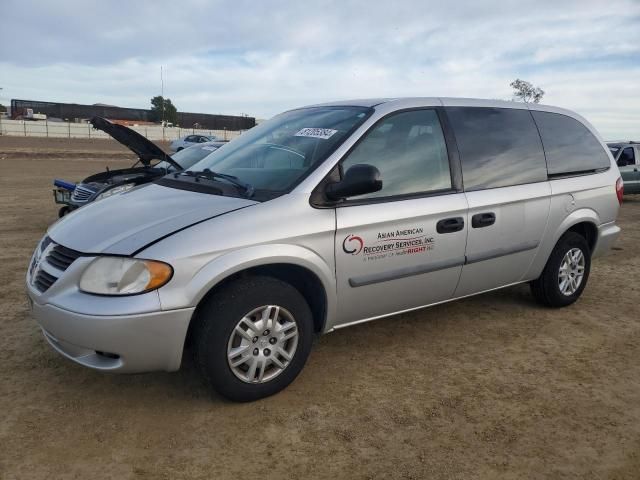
[[526, 92]]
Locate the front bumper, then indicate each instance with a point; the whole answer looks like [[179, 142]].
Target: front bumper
[[119, 343]]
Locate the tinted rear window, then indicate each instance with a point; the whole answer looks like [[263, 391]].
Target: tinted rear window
[[498, 147], [570, 147]]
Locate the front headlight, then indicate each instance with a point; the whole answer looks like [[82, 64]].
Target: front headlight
[[124, 276], [115, 190]]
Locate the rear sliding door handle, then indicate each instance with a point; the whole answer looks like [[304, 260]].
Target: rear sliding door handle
[[450, 225], [480, 220]]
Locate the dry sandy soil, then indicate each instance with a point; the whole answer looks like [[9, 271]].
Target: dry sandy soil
[[488, 387]]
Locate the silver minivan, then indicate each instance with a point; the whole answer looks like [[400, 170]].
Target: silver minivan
[[321, 218]]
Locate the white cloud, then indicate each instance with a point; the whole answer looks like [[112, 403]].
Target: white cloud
[[263, 57]]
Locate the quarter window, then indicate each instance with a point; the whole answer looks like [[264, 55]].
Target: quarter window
[[569, 146], [409, 150], [498, 147]]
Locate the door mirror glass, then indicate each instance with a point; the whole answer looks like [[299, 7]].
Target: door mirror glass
[[358, 180]]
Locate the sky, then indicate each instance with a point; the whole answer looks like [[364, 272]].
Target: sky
[[262, 57]]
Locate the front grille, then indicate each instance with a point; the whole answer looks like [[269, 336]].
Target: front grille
[[60, 258], [81, 194], [43, 280]]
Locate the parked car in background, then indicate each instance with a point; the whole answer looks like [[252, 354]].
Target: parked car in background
[[155, 164], [189, 140], [321, 218], [627, 156]]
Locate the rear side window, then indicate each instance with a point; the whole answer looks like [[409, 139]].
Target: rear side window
[[499, 147], [569, 146]]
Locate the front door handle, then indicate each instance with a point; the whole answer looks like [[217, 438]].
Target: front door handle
[[450, 225], [480, 220]]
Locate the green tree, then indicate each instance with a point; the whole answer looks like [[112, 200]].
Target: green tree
[[526, 92], [170, 113], [2, 108]]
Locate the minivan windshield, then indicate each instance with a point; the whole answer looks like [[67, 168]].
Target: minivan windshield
[[189, 156], [275, 155]]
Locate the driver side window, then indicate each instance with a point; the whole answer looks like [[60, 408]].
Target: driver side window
[[409, 150], [626, 157]]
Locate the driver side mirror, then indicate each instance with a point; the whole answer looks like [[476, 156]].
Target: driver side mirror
[[358, 180]]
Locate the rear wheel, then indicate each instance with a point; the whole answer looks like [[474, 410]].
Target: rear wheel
[[566, 273], [253, 337]]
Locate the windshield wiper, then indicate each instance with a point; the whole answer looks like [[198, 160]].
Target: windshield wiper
[[211, 175]]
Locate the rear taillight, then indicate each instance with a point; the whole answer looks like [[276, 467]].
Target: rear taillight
[[619, 189]]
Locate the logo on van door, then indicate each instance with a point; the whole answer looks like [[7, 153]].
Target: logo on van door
[[389, 244], [352, 244]]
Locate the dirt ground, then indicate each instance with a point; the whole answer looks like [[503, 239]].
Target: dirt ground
[[492, 386]]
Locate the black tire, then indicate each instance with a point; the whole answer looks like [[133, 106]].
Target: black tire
[[546, 289], [217, 318], [179, 148], [63, 211]]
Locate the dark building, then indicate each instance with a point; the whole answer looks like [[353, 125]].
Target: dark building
[[73, 111]]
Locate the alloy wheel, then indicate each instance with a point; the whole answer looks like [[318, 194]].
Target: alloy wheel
[[262, 344], [571, 272]]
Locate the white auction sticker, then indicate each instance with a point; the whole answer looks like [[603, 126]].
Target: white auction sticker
[[323, 133]]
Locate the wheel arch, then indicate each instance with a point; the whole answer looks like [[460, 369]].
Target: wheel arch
[[301, 268], [588, 230], [583, 221]]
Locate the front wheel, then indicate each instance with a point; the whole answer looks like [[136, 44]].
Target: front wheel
[[253, 337], [566, 273]]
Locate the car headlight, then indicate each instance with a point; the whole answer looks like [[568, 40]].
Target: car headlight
[[124, 276], [115, 190]]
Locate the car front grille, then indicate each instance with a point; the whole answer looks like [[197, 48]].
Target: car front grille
[[81, 194], [58, 258], [61, 257], [43, 281]]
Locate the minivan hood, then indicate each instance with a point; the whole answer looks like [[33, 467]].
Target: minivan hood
[[145, 149], [126, 223]]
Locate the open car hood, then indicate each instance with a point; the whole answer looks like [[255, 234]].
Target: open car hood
[[145, 149]]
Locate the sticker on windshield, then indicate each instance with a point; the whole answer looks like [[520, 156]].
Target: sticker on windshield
[[323, 133]]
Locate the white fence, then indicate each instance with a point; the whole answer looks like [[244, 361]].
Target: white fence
[[45, 128]]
